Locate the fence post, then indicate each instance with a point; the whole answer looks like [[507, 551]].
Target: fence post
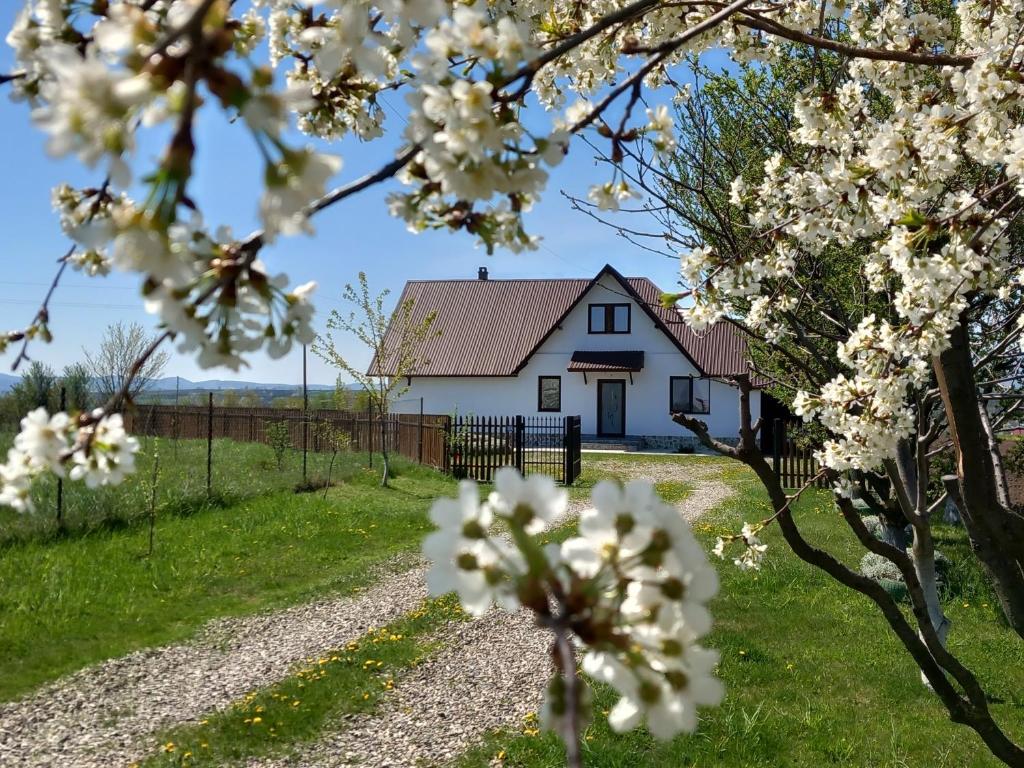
[[777, 442], [446, 459], [369, 428], [60, 481], [419, 437], [519, 440], [566, 449], [209, 443]]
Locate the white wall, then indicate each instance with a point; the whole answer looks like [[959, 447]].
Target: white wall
[[647, 398]]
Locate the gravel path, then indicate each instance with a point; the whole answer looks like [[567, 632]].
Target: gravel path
[[488, 675], [102, 715]]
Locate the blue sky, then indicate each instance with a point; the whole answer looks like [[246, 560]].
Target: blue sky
[[358, 234]]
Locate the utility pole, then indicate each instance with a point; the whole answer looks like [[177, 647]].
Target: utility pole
[[177, 387]]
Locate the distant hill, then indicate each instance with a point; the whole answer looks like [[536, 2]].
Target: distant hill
[[168, 383]]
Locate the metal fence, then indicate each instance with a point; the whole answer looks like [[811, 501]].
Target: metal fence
[[550, 445]]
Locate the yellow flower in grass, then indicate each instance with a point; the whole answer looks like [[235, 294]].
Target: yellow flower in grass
[[257, 720]]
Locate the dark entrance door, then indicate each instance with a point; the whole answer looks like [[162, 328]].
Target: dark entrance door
[[611, 407]]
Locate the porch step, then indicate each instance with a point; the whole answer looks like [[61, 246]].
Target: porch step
[[595, 443]]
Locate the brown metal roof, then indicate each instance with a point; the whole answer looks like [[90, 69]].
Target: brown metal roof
[[610, 360], [493, 327]]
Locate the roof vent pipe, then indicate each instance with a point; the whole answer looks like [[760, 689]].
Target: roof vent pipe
[[481, 273]]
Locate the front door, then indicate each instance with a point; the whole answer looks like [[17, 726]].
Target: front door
[[611, 407]]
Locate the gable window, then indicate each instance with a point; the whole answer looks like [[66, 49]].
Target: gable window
[[688, 394], [549, 393], [609, 318]]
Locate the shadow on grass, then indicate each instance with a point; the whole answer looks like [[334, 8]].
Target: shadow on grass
[[106, 522]]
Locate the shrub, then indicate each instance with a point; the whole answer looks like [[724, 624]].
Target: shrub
[[279, 438], [884, 571], [877, 567]]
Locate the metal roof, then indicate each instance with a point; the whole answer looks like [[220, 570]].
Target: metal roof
[[493, 327], [606, 360]]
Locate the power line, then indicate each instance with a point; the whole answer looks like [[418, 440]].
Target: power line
[[92, 287], [74, 304]]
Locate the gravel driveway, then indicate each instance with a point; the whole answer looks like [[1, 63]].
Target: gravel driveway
[[101, 715], [488, 675]]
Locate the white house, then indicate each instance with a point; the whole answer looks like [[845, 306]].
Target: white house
[[603, 349]]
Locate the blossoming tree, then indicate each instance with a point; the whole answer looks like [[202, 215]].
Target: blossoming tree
[[827, 336], [369, 322], [95, 75]]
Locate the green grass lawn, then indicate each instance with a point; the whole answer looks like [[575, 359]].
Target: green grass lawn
[[70, 600], [813, 675], [240, 471]]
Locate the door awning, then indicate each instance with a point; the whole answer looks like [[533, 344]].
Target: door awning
[[614, 360]]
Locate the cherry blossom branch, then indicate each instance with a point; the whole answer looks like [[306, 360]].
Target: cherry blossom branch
[[529, 71], [384, 173], [193, 25], [662, 53], [753, 20], [42, 316], [247, 251]]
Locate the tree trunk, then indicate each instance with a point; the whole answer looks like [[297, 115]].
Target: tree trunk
[[969, 707], [924, 567], [330, 468], [996, 531]]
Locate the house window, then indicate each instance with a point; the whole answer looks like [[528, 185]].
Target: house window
[[689, 395], [609, 318], [549, 393]]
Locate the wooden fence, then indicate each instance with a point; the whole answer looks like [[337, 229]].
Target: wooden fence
[[795, 465], [420, 439], [465, 447]]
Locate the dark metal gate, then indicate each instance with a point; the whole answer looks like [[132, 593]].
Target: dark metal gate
[[478, 446]]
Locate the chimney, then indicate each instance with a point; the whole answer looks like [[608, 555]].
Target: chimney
[[481, 273]]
